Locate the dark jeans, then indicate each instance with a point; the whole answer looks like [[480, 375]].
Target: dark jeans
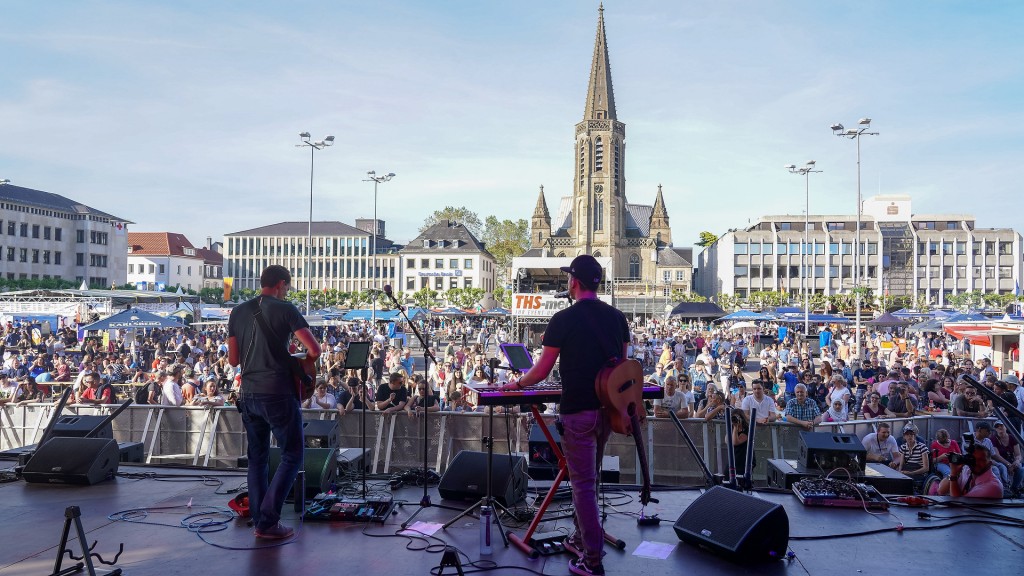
[[583, 438], [263, 415]]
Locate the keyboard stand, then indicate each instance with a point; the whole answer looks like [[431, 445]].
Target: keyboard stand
[[523, 544]]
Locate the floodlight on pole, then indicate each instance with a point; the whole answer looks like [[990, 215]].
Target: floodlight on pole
[[805, 171], [371, 176], [313, 147], [855, 134]]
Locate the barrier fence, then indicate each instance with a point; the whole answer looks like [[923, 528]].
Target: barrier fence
[[215, 437]]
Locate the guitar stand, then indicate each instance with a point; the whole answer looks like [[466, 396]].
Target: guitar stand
[[451, 558], [524, 543], [487, 499], [74, 514]]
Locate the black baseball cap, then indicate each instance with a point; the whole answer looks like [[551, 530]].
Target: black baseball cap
[[585, 269]]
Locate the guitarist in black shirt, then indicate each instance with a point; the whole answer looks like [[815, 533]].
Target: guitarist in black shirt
[[585, 336], [258, 334]]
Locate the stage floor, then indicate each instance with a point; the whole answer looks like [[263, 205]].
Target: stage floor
[[33, 518]]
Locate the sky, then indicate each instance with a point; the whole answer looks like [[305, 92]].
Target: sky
[[183, 116]]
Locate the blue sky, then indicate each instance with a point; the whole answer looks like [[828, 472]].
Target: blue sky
[[183, 116]]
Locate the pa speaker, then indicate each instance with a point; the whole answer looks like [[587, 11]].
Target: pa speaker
[[320, 464], [76, 426], [466, 478], [742, 528], [829, 450], [320, 433], [70, 460]]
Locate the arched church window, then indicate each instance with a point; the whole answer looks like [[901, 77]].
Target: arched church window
[[634, 266], [598, 155], [598, 219]]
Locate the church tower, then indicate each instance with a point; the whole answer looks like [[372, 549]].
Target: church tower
[[599, 187], [661, 232], [540, 223]]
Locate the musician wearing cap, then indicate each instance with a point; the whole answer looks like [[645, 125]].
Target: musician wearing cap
[[583, 337]]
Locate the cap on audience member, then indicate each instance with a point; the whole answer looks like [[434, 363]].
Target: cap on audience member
[[983, 425], [1012, 380]]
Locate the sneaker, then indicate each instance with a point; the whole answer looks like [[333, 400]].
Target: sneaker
[[583, 568], [574, 544], [276, 532]]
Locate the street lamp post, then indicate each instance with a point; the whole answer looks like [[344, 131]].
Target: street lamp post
[[371, 176], [313, 147], [855, 134], [805, 171]]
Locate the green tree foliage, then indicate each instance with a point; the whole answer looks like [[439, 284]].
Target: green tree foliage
[[727, 302], [767, 299], [464, 297], [707, 238], [679, 295], [425, 298], [504, 297], [505, 239], [462, 215]]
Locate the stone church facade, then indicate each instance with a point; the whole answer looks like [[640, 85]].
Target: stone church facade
[[596, 218]]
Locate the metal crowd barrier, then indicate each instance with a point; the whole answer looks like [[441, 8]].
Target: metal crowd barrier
[[215, 437]]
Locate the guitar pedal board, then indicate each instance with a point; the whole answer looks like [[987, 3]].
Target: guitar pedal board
[[332, 508]]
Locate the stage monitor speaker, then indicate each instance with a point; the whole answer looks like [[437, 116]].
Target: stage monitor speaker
[[466, 477], [742, 528], [828, 450], [320, 433], [541, 453], [72, 425], [70, 460], [320, 464]]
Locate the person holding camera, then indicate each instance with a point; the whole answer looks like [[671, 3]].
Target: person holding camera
[[882, 447], [971, 473]]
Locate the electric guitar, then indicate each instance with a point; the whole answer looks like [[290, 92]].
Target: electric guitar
[[620, 387]]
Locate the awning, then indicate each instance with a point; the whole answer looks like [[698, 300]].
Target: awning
[[979, 334], [132, 318]]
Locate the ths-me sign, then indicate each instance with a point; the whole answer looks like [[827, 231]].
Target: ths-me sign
[[542, 305]]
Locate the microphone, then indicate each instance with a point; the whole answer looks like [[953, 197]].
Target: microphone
[[562, 294], [391, 296]]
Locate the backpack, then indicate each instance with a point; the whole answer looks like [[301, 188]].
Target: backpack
[[142, 394]]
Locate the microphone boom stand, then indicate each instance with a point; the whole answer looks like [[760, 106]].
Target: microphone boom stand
[[427, 356]]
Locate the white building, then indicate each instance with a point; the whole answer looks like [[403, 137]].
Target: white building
[[45, 235], [446, 255], [342, 256], [159, 260], [903, 254]]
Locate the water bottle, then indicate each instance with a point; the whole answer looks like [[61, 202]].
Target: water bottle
[[485, 530]]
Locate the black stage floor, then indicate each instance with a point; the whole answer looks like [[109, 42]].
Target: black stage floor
[[33, 516]]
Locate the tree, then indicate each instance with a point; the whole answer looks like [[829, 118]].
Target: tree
[[505, 239], [425, 297], [707, 238], [727, 301], [679, 295], [503, 296], [464, 297], [462, 215]]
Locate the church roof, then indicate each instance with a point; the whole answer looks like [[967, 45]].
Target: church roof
[[638, 220], [563, 218], [675, 257], [600, 96], [541, 210]]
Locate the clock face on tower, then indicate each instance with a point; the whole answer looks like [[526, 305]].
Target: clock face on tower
[[599, 188]]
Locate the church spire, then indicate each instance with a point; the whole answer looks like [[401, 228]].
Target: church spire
[[541, 210], [659, 206], [660, 229], [600, 97]]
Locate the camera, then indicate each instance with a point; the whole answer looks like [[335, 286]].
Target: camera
[[967, 458]]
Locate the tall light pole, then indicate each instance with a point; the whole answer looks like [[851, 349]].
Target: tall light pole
[[313, 147], [804, 283], [371, 176], [855, 134]]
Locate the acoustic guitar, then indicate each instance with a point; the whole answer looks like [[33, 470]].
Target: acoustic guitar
[[620, 388], [304, 374]]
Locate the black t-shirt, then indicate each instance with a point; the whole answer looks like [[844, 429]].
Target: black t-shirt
[[384, 392], [430, 401], [587, 334], [261, 371]]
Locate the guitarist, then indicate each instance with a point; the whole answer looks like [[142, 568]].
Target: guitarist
[[268, 399], [584, 336]]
